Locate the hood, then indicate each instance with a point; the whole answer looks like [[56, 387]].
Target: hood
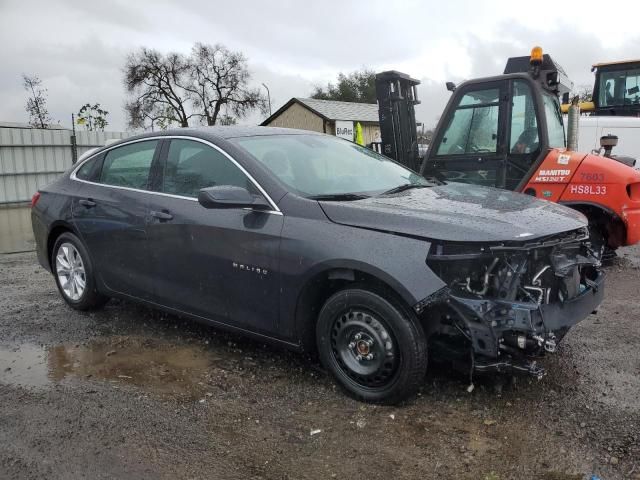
[[458, 212]]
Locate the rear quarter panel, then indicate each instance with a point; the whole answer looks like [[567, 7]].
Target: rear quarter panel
[[53, 209]]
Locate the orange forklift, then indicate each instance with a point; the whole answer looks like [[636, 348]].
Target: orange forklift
[[507, 131]]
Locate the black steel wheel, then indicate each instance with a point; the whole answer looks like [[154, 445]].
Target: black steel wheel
[[364, 348], [375, 349]]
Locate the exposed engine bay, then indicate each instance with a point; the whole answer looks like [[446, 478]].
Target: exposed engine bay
[[515, 301]]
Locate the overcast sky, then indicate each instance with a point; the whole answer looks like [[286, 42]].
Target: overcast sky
[[78, 48]]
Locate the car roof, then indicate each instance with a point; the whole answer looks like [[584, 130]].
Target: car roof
[[215, 134], [226, 132]]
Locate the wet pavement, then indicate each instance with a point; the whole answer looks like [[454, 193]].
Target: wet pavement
[[127, 392]]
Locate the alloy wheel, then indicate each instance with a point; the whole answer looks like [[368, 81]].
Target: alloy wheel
[[70, 271]]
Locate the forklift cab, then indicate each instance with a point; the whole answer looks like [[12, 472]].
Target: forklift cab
[[617, 88], [496, 131]]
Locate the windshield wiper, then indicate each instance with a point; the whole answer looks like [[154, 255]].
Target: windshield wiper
[[402, 188], [336, 197]]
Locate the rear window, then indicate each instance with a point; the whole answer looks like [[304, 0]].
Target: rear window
[[89, 169]]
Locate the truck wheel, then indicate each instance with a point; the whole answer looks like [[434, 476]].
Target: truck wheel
[[599, 243], [375, 350], [73, 271]]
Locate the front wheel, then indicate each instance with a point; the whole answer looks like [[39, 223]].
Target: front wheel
[[600, 244], [73, 271], [376, 350]]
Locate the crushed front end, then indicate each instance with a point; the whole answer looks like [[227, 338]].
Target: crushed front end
[[507, 304]]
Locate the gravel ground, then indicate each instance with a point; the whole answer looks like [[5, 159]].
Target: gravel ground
[[127, 392]]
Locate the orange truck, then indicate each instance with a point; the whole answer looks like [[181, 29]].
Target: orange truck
[[507, 131]]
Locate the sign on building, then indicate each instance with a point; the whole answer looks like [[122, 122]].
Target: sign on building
[[344, 130]]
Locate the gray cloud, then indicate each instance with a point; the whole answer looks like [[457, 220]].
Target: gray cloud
[[575, 51], [79, 48]]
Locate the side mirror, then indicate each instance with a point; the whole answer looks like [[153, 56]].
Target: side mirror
[[451, 86], [227, 196]]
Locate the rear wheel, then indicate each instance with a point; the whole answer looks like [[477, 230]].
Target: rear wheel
[[375, 349], [73, 271]]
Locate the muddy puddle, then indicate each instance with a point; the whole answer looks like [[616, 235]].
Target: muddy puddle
[[159, 367]]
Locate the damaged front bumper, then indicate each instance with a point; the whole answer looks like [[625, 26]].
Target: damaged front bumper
[[512, 304], [517, 330]]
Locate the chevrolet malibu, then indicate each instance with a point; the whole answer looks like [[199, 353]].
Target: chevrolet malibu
[[318, 244]]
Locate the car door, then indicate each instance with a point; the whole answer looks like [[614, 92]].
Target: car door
[[221, 264], [111, 217], [471, 148]]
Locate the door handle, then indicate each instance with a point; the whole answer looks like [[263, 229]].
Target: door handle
[[161, 215], [87, 202]]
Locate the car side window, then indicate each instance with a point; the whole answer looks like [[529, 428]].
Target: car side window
[[129, 165], [192, 166], [88, 171], [474, 125]]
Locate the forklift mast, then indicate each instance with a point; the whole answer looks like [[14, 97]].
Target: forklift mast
[[397, 95]]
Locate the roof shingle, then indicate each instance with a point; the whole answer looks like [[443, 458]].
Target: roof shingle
[[334, 110]]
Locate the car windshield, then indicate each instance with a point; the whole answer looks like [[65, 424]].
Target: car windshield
[[555, 127], [323, 166]]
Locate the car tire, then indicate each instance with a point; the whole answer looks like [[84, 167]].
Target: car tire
[[74, 274], [374, 348]]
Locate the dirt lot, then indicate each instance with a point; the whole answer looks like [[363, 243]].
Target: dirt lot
[[128, 392]]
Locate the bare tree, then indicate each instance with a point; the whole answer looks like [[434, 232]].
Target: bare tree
[[219, 78], [37, 102], [211, 84], [147, 115], [227, 120], [584, 92], [156, 83]]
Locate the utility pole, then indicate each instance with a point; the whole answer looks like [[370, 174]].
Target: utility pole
[[74, 143], [269, 97]]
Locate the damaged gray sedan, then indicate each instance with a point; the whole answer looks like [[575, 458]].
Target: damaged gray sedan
[[321, 245]]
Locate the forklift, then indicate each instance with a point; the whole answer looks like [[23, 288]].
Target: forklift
[[507, 131]]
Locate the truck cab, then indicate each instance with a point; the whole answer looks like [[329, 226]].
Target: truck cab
[[617, 88], [495, 131], [507, 131]]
